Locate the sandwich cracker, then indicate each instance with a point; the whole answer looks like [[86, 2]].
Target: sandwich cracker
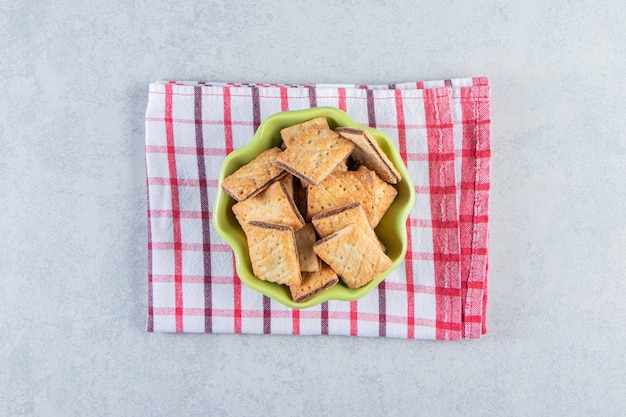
[[291, 133], [384, 195], [273, 205], [273, 253], [353, 256], [254, 177], [341, 189], [313, 283], [314, 155], [368, 153], [332, 221]]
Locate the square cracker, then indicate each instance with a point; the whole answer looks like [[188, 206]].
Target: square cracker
[[273, 253], [368, 153], [353, 256], [305, 238], [273, 205], [384, 195], [291, 133], [313, 283], [254, 177], [332, 221], [314, 155], [341, 189]]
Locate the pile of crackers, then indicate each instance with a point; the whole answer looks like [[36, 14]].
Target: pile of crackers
[[309, 209]]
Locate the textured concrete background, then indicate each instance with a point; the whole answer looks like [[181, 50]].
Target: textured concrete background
[[73, 90]]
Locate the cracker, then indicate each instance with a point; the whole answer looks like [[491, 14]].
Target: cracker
[[368, 153], [314, 155], [273, 253], [313, 283], [291, 133], [273, 205], [305, 238], [341, 189], [384, 195], [353, 256], [254, 177], [332, 221]]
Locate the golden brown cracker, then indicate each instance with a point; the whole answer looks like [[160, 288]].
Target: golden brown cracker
[[332, 221], [291, 133], [384, 195], [305, 238], [314, 155], [368, 153], [313, 283], [273, 205], [353, 256], [341, 189], [253, 177], [273, 253]]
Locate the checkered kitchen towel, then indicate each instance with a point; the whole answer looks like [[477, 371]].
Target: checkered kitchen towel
[[442, 130]]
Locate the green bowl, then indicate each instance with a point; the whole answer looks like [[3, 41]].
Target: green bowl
[[391, 230]]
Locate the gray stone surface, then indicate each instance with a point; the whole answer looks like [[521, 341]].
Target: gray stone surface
[[73, 90]]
